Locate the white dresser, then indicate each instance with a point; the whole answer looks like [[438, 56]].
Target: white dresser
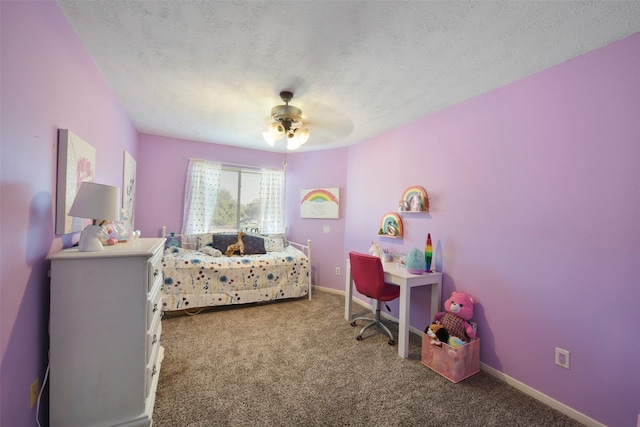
[[105, 351]]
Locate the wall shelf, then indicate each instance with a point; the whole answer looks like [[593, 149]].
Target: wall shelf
[[391, 225], [414, 200]]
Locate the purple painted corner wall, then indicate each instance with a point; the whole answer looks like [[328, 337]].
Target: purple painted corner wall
[[48, 82], [161, 175], [534, 192], [535, 211]]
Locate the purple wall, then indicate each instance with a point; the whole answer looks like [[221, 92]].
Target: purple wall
[[48, 82], [162, 171], [161, 175], [319, 169], [535, 207]]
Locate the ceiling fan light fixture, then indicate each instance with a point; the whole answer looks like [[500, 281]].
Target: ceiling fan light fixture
[[287, 122]]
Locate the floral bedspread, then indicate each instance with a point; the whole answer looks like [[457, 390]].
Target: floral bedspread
[[193, 279]]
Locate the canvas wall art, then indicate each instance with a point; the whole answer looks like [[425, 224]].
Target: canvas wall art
[[320, 203], [76, 164], [128, 190]]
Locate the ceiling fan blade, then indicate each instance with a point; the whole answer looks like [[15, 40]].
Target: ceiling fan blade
[[326, 120]]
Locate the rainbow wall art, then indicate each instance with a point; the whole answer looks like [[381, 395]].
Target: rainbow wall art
[[391, 225], [320, 203], [416, 198]]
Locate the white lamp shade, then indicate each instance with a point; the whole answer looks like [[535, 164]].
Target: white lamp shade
[[293, 142], [276, 130], [267, 137], [303, 135], [96, 201]]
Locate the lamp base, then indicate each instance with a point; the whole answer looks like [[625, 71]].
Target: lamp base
[[90, 239]]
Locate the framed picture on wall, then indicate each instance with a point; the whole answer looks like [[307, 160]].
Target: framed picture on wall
[[76, 164], [128, 189], [320, 203]]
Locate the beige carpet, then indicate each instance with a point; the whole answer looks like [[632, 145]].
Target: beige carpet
[[297, 363]]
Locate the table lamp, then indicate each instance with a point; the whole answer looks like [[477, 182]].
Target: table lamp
[[99, 203]]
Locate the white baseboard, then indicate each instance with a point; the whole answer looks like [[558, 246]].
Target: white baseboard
[[566, 410]]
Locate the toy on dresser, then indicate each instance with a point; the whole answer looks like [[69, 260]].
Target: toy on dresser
[[455, 319]]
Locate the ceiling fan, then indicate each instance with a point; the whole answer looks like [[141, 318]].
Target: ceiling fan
[[286, 121]]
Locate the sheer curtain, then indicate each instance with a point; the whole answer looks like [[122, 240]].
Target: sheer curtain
[[272, 201], [200, 196]]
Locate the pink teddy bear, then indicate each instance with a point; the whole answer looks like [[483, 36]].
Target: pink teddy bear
[[455, 319]]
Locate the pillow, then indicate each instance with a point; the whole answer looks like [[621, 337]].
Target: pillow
[[274, 243], [222, 241], [253, 245], [210, 251], [205, 240]]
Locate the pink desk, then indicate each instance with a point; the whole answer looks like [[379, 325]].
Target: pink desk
[[401, 277]]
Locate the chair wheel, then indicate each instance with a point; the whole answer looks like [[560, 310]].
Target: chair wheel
[[353, 323], [392, 342], [359, 337]]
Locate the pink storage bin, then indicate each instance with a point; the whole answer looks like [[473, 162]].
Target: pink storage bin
[[453, 363]]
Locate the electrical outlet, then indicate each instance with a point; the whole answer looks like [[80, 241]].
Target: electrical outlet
[[562, 358], [337, 271], [34, 391]]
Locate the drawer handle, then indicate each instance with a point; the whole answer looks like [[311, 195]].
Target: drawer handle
[[154, 371], [155, 272], [155, 307], [155, 339]]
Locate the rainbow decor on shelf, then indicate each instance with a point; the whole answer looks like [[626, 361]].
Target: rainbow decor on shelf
[[416, 199], [391, 225], [428, 253]]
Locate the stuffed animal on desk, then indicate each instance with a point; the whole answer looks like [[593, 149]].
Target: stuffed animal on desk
[[455, 319]]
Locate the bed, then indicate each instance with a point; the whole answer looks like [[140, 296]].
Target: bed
[[197, 273]]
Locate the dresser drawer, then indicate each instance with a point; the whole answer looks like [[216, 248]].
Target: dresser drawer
[[155, 270], [153, 338], [154, 308], [153, 370]]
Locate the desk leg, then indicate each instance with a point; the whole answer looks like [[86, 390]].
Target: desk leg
[[436, 295], [403, 322], [348, 292]]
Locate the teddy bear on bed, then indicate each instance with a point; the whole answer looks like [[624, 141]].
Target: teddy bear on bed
[[455, 319]]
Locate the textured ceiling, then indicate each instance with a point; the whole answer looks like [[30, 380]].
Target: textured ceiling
[[211, 71]]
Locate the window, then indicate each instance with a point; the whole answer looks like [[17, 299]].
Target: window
[[221, 198], [238, 204]]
